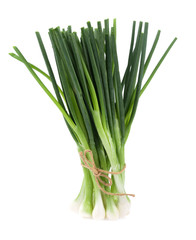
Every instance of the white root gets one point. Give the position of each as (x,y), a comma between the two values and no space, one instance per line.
(99,210)
(124,206)
(76,205)
(112,212)
(85,210)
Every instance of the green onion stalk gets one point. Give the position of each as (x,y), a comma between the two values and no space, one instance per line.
(98,106)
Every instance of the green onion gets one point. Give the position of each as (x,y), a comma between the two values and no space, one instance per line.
(97,105)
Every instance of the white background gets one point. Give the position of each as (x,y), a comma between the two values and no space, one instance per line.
(40,172)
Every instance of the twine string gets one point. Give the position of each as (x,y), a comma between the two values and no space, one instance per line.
(98,173)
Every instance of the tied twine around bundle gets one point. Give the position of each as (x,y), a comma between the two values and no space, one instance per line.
(98,173)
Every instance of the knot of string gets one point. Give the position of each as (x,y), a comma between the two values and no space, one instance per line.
(98,173)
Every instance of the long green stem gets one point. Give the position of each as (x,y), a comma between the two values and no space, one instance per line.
(67,117)
(38,70)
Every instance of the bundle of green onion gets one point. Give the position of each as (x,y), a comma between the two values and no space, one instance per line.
(97,105)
